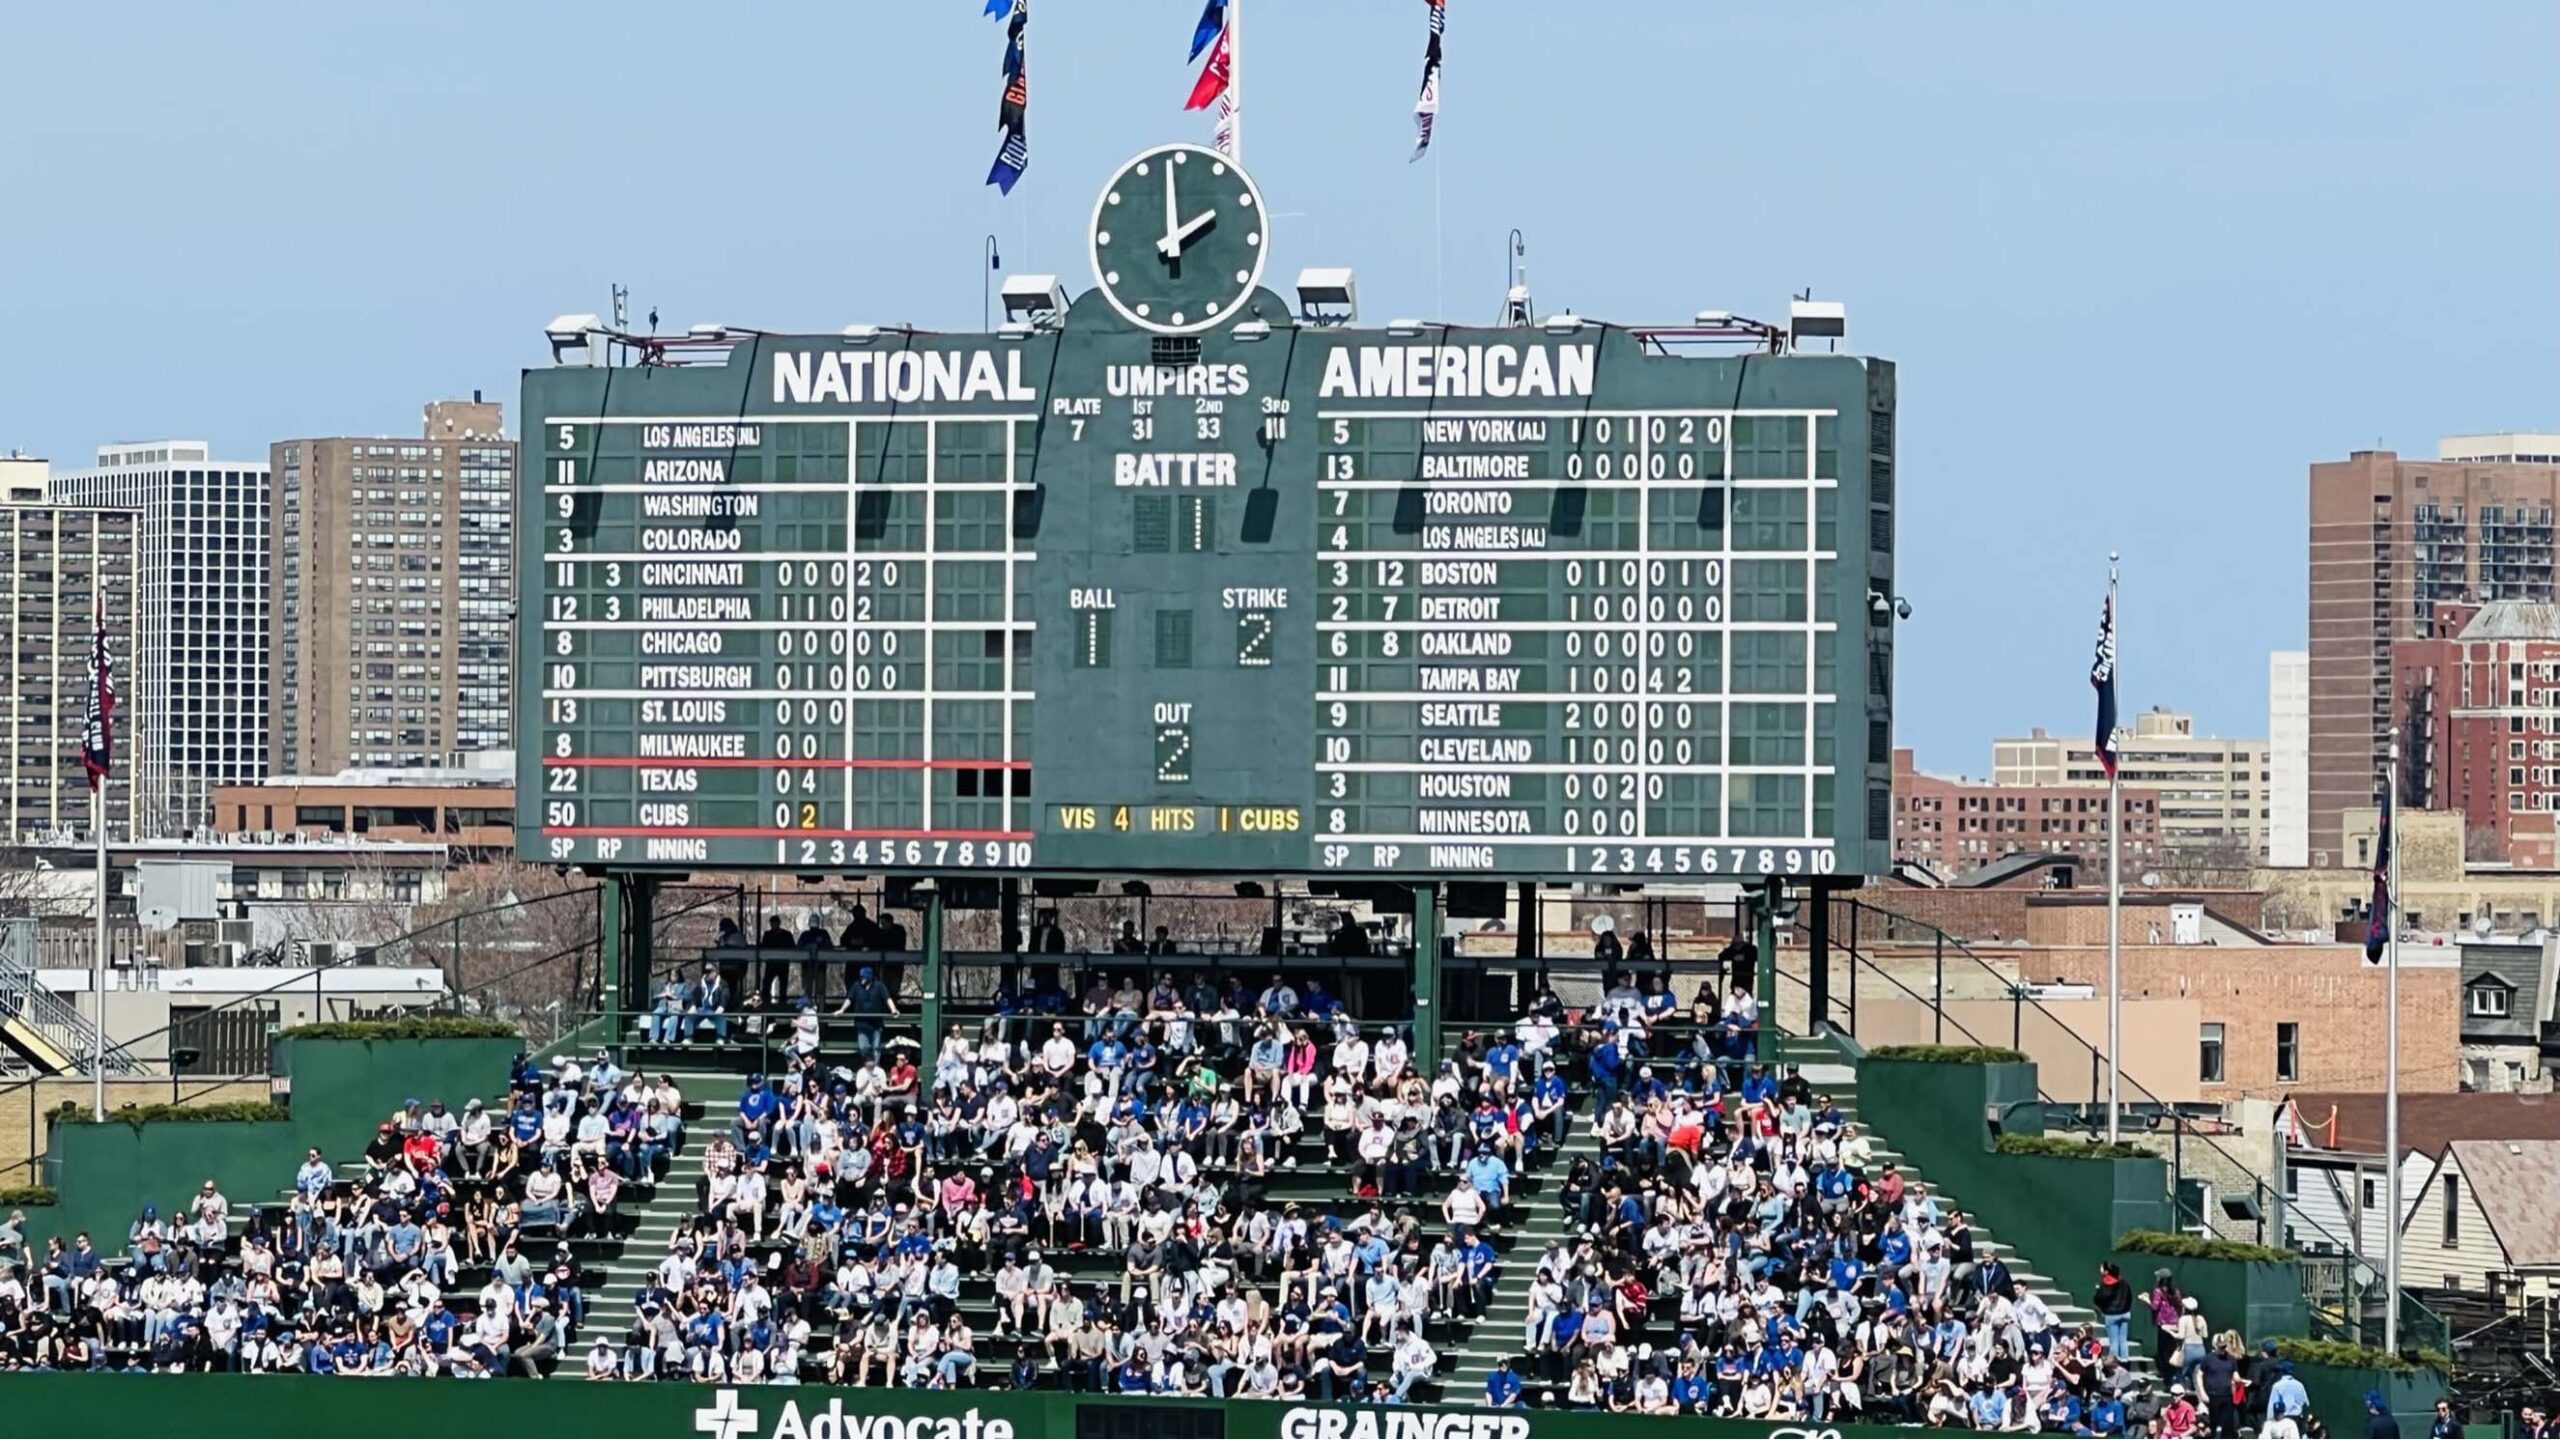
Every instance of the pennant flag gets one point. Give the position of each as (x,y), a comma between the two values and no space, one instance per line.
(997,9)
(1213,23)
(97,738)
(1426,108)
(1213,77)
(2377,932)
(1013,153)
(2102,678)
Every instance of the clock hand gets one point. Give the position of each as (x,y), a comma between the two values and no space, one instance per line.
(1172,213)
(1178,240)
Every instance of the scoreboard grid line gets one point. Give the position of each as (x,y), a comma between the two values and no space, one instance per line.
(1634,413)
(740,418)
(1632,482)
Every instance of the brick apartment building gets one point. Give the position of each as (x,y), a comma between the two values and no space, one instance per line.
(2481,735)
(2389,540)
(1952,825)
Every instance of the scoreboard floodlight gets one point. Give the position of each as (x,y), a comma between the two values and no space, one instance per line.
(1134,589)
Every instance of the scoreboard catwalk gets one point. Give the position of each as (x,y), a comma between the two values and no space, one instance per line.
(1536,602)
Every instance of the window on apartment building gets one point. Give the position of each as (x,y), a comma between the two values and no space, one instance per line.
(2492,1001)
(2209,1053)
(2288,1050)
(2372,1192)
(2452,1211)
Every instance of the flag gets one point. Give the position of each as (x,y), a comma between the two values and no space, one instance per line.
(1213,23)
(2102,678)
(2378,927)
(98,737)
(1013,152)
(1426,107)
(1213,77)
(998,8)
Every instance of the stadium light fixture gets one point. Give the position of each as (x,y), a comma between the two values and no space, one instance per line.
(1816,320)
(1328,295)
(571,332)
(1032,299)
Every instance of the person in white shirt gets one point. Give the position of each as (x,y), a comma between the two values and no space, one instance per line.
(1414,1360)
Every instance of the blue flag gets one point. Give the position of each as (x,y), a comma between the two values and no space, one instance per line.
(1011,161)
(2377,932)
(998,9)
(1212,21)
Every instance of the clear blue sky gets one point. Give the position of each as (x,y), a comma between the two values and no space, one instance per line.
(2139,264)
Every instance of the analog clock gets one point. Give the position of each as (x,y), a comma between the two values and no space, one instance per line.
(1179,239)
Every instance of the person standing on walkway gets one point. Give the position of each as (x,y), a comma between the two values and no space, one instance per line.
(2165,1303)
(2113,1300)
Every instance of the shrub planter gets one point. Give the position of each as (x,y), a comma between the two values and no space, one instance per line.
(2060,1211)
(2248,1287)
(104,1173)
(348,1082)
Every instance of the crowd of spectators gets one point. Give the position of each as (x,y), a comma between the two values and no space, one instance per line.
(1080,1195)
(419,1260)
(1736,1249)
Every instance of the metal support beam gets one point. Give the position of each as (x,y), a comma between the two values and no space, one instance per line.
(612,948)
(1764,933)
(1426,979)
(931,1021)
(1818,962)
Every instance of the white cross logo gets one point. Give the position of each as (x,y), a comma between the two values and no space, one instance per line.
(722,1419)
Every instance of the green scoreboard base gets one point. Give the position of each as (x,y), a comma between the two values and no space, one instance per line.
(256,1407)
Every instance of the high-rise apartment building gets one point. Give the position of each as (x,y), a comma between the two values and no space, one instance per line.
(52,561)
(2481,726)
(2213,792)
(394,570)
(2289,758)
(2390,538)
(199,675)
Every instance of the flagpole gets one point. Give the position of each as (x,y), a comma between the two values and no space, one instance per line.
(2115,895)
(1235,81)
(2391,1062)
(98,834)
(98,970)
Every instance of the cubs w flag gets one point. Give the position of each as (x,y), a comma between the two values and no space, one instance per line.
(2378,930)
(2102,678)
(98,737)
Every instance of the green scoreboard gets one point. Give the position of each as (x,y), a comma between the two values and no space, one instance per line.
(1169,581)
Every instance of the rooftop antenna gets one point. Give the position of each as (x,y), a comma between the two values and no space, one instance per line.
(621,313)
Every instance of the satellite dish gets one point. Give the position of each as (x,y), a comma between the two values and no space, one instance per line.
(1602,924)
(2151,879)
(2480,926)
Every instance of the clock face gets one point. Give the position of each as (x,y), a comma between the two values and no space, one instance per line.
(1178,239)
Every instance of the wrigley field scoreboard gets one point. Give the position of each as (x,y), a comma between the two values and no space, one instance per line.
(1169,582)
